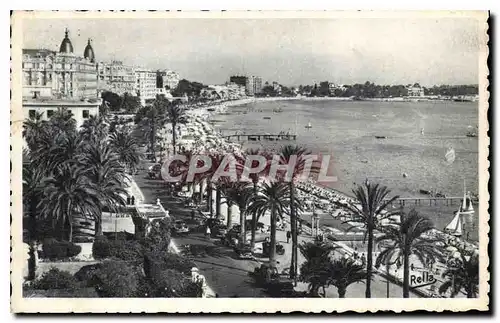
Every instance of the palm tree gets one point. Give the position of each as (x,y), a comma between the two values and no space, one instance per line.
(94,130)
(101,165)
(32,129)
(405,238)
(32,193)
(255,178)
(240,194)
(150,120)
(64,148)
(314,270)
(66,193)
(175,115)
(127,149)
(344,272)
(271,197)
(62,121)
(373,200)
(462,274)
(288,153)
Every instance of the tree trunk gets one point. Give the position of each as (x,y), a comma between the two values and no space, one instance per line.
(209,199)
(254,218)
(174,136)
(218,198)
(32,261)
(272,251)
(153,139)
(406,274)
(243,235)
(98,227)
(341,292)
(70,237)
(369,263)
(293,224)
(229,219)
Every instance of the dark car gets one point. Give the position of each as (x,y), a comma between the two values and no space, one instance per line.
(181,228)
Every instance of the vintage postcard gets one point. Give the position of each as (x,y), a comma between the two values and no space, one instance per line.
(249,161)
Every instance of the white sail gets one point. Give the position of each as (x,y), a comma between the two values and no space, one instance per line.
(455,226)
(450,155)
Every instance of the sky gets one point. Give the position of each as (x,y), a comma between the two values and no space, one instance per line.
(291,51)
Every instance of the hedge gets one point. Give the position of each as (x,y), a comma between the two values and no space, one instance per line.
(56,279)
(119,249)
(116,279)
(57,250)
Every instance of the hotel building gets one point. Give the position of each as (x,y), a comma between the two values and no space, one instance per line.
(63,79)
(116,77)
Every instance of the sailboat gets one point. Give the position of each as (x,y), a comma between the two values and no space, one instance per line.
(309,126)
(466,207)
(455,226)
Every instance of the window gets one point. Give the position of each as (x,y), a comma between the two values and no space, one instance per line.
(32,114)
(50,113)
(85,114)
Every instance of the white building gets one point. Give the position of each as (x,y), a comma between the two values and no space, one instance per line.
(116,77)
(145,85)
(80,110)
(415,90)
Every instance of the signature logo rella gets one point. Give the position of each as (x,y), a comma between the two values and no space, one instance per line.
(422,279)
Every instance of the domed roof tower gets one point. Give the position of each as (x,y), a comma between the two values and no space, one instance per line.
(66,46)
(88,53)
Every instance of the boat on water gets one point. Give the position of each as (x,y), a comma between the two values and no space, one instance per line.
(266,118)
(466,206)
(380,137)
(277,110)
(455,226)
(309,125)
(210,109)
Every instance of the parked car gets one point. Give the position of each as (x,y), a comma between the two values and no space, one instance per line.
(154,171)
(181,228)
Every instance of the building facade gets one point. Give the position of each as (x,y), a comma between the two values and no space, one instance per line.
(415,90)
(168,79)
(116,77)
(63,79)
(146,85)
(63,74)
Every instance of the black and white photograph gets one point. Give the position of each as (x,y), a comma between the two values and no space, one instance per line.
(283,161)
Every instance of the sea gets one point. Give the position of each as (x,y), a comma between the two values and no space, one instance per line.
(409,155)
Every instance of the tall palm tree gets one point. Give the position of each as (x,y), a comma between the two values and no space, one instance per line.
(32,194)
(101,165)
(62,121)
(462,274)
(405,238)
(66,193)
(344,272)
(271,197)
(374,202)
(127,149)
(300,154)
(240,194)
(255,178)
(150,120)
(175,115)
(315,269)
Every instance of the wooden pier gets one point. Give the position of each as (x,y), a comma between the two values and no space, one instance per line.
(245,137)
(431,200)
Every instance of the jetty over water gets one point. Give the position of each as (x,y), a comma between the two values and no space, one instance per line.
(430,199)
(260,137)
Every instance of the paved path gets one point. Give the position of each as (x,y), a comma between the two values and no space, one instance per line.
(225,274)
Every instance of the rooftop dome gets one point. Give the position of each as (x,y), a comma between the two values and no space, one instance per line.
(89,52)
(66,46)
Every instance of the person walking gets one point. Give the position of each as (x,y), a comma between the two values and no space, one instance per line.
(208,232)
(288,236)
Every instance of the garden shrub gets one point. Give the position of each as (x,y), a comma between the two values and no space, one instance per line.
(58,250)
(160,261)
(116,279)
(120,249)
(158,237)
(87,274)
(171,283)
(56,279)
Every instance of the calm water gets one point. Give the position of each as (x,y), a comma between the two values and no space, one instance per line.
(347,129)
